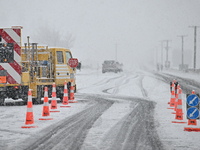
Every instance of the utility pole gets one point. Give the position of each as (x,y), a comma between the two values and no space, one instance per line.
(182,36)
(157,58)
(195,34)
(161,54)
(167,49)
(116,53)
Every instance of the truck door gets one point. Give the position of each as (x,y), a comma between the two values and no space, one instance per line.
(61,68)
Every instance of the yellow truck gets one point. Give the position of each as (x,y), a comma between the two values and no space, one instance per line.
(32,67)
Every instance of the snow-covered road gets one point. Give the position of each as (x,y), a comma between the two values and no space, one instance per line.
(114,111)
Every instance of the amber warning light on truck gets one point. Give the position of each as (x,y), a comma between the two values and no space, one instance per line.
(73,62)
(3,76)
(2,79)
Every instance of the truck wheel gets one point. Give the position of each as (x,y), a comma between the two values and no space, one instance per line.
(68,90)
(59,94)
(39,95)
(25,99)
(2,101)
(34,101)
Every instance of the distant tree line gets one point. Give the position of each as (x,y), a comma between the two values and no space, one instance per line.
(53,37)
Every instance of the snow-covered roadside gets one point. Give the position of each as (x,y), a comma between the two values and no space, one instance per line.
(172,135)
(189,75)
(13,117)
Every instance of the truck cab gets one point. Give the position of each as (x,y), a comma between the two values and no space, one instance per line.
(50,66)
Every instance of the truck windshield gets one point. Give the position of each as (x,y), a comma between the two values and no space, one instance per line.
(68,56)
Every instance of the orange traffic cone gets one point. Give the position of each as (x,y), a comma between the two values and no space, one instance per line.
(172,85)
(177,97)
(173,89)
(71,96)
(192,129)
(65,96)
(192,122)
(176,100)
(45,112)
(29,114)
(172,101)
(53,100)
(193,91)
(179,111)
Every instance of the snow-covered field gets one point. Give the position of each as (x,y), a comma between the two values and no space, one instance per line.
(172,135)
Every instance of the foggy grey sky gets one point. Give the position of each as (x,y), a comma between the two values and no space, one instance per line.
(136,26)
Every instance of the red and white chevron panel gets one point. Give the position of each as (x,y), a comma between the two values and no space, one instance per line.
(12,35)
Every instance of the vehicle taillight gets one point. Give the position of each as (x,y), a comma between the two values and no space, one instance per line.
(16,87)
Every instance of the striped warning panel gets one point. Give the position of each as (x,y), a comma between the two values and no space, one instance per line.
(13,68)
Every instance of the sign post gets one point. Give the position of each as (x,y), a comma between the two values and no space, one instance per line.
(73,62)
(192,111)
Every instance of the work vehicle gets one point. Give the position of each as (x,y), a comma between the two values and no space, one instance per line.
(31,67)
(111,66)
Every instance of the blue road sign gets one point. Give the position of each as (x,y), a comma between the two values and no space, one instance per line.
(193,113)
(193,100)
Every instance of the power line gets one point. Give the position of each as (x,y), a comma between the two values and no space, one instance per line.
(195,34)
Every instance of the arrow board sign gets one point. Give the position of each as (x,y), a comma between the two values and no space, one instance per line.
(193,100)
(193,113)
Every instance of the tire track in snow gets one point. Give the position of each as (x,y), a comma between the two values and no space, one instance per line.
(101,82)
(144,92)
(135,131)
(69,133)
(119,84)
